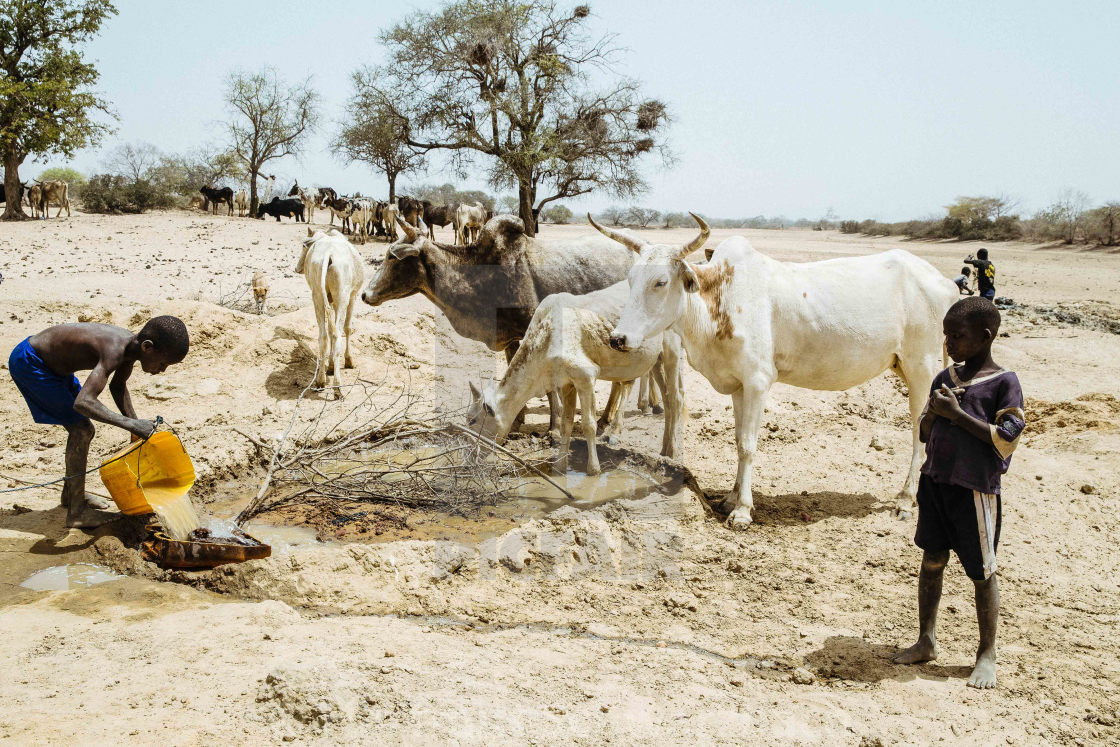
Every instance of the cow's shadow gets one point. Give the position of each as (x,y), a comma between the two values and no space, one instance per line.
(286,383)
(857,660)
(792,509)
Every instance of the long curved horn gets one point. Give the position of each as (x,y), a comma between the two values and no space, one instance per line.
(409,231)
(698,242)
(627,241)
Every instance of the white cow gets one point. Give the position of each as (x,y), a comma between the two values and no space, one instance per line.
(389,213)
(748,321)
(309,196)
(241,202)
(333,269)
(469,220)
(566,348)
(361,217)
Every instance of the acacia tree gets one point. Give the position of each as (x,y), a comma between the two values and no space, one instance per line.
(134,160)
(46,105)
(510,80)
(270,120)
(376,136)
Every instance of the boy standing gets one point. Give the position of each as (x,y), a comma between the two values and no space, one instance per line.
(985,273)
(971,426)
(43,367)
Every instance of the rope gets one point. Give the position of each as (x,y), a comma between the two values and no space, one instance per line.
(30,486)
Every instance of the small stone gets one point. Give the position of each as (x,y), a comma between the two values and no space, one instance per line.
(389,654)
(736,683)
(876,444)
(605,709)
(802,676)
(1088,489)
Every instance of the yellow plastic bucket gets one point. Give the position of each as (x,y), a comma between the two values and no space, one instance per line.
(159,464)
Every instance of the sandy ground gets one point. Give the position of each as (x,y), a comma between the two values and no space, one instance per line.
(641,620)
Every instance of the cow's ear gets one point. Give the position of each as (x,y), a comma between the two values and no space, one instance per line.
(688,278)
(402,251)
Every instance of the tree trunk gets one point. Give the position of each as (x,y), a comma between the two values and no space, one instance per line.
(525,208)
(253,193)
(13,209)
(392,187)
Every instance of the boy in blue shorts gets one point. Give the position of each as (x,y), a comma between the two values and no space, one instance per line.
(43,367)
(971,426)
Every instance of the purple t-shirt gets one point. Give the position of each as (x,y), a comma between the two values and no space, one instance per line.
(955,456)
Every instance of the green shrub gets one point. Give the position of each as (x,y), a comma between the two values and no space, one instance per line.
(849,226)
(106,193)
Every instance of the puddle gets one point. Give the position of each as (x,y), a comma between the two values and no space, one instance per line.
(280,538)
(71,576)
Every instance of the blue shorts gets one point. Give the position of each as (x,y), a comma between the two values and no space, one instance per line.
(989,294)
(50,397)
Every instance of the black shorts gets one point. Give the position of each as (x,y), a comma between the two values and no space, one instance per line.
(962,520)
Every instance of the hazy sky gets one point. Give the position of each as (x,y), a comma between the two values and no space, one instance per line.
(882,110)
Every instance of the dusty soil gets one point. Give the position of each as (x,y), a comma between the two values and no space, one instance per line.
(639,619)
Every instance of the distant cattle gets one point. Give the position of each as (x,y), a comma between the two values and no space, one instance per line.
(216,196)
(438,215)
(325,194)
(35,200)
(289,207)
(18,199)
(241,199)
(55,192)
(410,209)
(469,220)
(339,206)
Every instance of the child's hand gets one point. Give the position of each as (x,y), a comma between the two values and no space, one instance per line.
(944,403)
(142,429)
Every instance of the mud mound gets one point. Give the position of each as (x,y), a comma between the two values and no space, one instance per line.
(1097,315)
(623,539)
(1095,411)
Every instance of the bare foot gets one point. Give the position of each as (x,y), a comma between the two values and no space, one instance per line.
(984,674)
(923,650)
(88,518)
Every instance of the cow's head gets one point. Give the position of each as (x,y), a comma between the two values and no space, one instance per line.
(659,280)
(483,416)
(403,272)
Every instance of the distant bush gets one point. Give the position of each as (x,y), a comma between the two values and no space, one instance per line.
(558,214)
(108,193)
(74,180)
(849,226)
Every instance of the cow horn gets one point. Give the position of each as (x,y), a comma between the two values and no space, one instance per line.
(698,242)
(627,241)
(309,232)
(409,231)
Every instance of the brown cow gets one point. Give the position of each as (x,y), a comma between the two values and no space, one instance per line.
(57,192)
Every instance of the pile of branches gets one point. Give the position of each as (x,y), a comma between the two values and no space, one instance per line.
(378,451)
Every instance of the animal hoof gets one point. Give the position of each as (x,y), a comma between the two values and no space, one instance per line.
(658,409)
(592,469)
(740,518)
(902,514)
(348,364)
(612,440)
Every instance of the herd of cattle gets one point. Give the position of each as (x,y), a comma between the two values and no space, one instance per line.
(360,216)
(615,307)
(41,195)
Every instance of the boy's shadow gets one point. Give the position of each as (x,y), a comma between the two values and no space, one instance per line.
(856,660)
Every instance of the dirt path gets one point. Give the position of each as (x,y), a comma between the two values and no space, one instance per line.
(661,624)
